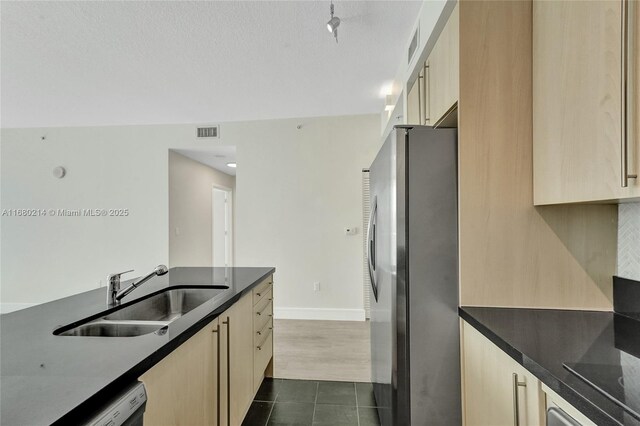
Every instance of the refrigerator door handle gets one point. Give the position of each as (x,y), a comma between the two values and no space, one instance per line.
(371,247)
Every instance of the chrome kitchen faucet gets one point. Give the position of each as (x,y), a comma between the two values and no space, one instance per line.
(115,295)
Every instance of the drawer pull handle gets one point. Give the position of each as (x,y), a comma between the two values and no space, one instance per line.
(259,294)
(516,404)
(259,333)
(627,29)
(259,347)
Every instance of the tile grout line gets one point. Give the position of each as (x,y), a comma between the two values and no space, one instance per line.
(272,407)
(355,388)
(313,417)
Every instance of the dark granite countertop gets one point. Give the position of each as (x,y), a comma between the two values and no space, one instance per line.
(542,340)
(49,379)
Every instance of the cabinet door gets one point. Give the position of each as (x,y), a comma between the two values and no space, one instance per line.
(413,103)
(181,389)
(444,73)
(577,95)
(237,357)
(495,387)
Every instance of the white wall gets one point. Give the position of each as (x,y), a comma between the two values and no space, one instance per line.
(190,210)
(295,191)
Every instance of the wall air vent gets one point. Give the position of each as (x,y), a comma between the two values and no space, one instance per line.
(208,132)
(413,46)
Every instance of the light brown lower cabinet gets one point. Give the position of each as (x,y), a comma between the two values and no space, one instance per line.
(262,332)
(212,378)
(182,388)
(497,391)
(239,329)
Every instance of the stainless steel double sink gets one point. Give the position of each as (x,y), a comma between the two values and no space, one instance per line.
(148,315)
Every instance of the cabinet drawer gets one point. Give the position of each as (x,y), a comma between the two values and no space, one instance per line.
(261,333)
(262,353)
(260,291)
(262,314)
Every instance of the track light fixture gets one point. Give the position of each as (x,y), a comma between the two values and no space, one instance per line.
(333,23)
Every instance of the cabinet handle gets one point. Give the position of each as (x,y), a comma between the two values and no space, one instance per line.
(516,404)
(420,87)
(624,78)
(259,313)
(259,332)
(217,375)
(228,324)
(259,347)
(427,103)
(259,294)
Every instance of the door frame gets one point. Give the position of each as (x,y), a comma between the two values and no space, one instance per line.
(229,221)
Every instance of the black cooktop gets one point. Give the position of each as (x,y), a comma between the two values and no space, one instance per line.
(616,372)
(610,380)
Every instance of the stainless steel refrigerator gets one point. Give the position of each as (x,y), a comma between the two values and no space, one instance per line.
(412,252)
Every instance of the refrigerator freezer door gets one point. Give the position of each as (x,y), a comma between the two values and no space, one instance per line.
(382,181)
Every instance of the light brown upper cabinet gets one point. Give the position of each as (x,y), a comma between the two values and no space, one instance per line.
(418,100)
(413,103)
(444,74)
(586,114)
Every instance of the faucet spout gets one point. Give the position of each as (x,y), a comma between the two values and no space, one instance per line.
(160,270)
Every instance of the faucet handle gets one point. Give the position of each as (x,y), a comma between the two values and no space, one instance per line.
(113,286)
(116,277)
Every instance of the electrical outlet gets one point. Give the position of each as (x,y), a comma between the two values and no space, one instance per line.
(316,286)
(177,231)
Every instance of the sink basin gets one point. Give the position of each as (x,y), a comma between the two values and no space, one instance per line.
(145,316)
(166,306)
(101,328)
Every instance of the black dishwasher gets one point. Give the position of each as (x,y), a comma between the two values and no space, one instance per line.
(125,409)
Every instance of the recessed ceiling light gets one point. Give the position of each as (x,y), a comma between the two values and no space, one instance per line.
(232,165)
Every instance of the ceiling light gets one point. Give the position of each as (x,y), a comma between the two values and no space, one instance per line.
(232,165)
(333,23)
(386,89)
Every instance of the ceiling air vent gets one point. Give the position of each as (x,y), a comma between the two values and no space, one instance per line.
(413,45)
(208,132)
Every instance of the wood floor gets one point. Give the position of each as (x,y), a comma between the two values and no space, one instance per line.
(322,350)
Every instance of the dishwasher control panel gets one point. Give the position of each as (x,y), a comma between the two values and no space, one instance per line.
(125,409)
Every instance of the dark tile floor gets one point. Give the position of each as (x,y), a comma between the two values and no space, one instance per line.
(312,403)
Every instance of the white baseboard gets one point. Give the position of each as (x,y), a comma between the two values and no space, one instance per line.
(5,308)
(319,314)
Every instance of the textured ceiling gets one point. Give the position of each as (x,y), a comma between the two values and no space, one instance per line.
(146,62)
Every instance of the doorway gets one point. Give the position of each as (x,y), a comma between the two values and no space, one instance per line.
(222,226)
